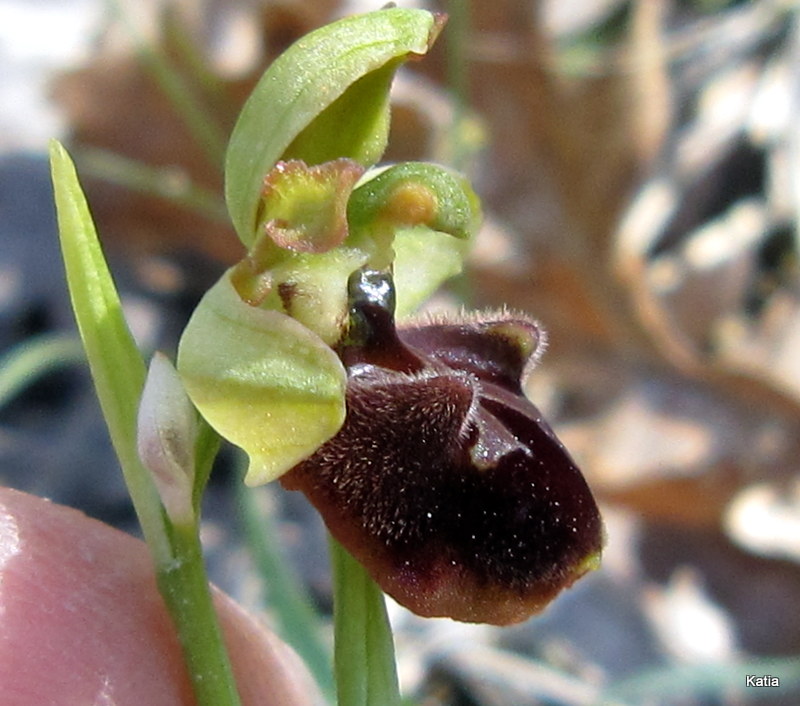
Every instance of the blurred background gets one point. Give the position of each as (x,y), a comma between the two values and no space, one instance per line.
(639,165)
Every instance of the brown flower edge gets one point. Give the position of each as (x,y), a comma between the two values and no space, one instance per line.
(445,481)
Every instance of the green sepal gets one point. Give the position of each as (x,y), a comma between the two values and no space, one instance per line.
(424,259)
(262,380)
(356,124)
(329,68)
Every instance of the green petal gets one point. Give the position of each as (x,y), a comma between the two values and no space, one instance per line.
(424,259)
(330,69)
(412,194)
(261,380)
(303,208)
(422,201)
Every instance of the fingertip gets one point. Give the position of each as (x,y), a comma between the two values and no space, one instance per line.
(82,620)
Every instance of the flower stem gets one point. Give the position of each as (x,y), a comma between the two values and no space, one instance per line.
(184,586)
(364,660)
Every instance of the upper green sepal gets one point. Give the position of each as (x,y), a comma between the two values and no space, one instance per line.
(324,98)
(262,380)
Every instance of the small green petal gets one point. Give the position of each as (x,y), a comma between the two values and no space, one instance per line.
(414,214)
(304,208)
(412,194)
(261,380)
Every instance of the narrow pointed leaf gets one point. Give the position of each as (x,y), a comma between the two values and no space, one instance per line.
(117,367)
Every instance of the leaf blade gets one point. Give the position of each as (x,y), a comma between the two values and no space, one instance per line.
(117,367)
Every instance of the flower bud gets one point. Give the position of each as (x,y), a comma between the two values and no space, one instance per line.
(445,481)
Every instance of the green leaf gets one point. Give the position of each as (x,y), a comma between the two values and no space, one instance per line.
(364,661)
(24,363)
(262,380)
(117,367)
(329,68)
(118,372)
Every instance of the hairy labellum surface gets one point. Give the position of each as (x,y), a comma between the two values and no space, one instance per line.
(445,481)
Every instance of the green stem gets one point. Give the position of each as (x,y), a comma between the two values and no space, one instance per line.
(364,660)
(184,586)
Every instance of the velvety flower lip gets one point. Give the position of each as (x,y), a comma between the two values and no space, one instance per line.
(445,481)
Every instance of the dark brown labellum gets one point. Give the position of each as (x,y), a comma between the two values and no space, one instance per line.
(445,481)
